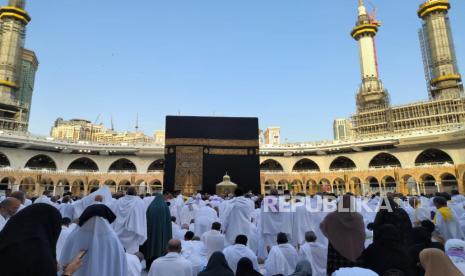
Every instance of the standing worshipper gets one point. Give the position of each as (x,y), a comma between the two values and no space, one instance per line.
(237,217)
(204,218)
(282,258)
(388,242)
(301,223)
(8,208)
(446,221)
(245,268)
(131,221)
(159,230)
(315,253)
(188,212)
(217,266)
(104,251)
(173,263)
(435,262)
(391,213)
(28,243)
(345,231)
(65,231)
(455,250)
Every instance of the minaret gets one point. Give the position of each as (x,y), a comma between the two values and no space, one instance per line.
(441,69)
(372,94)
(13,19)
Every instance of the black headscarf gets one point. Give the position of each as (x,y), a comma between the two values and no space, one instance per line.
(217,265)
(387,252)
(245,268)
(97,210)
(28,242)
(422,240)
(397,217)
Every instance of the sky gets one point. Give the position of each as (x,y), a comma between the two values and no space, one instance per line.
(291,63)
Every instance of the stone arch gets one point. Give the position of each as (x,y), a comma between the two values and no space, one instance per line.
(157,165)
(83,164)
(342,163)
(123,185)
(8,180)
(122,165)
(297,186)
(271,165)
(62,186)
(41,162)
(46,184)
(94,183)
(373,184)
(428,184)
(306,165)
(312,186)
(4,161)
(269,184)
(111,185)
(27,185)
(339,186)
(78,187)
(154,186)
(383,160)
(448,182)
(283,184)
(389,183)
(356,185)
(433,156)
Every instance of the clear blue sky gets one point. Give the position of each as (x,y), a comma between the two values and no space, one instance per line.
(292,63)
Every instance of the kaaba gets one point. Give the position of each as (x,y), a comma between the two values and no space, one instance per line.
(199,151)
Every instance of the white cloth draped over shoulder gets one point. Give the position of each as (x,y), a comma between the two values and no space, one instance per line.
(81,205)
(301,223)
(449,229)
(214,241)
(66,210)
(134,265)
(45,199)
(282,259)
(234,253)
(105,255)
(317,255)
(131,222)
(237,219)
(204,218)
(172,264)
(65,231)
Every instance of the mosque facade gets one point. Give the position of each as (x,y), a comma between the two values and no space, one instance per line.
(413,148)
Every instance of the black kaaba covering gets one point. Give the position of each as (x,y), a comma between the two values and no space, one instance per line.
(206,148)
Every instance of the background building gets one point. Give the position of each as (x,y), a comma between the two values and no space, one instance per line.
(272,136)
(342,129)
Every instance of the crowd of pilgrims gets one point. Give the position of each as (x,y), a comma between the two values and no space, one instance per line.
(174,235)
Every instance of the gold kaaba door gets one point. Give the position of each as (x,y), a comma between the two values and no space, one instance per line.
(189,169)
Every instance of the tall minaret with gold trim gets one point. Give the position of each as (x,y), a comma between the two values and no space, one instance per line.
(371,94)
(13,20)
(444,79)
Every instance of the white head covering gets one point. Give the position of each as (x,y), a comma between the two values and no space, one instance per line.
(455,249)
(81,205)
(105,254)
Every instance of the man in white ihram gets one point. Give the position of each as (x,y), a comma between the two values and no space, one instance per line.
(237,217)
(172,263)
(131,221)
(234,253)
(282,258)
(315,253)
(213,239)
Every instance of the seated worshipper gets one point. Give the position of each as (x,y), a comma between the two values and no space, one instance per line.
(303,268)
(194,251)
(446,221)
(176,229)
(204,218)
(94,234)
(159,230)
(66,208)
(213,239)
(387,252)
(345,231)
(8,208)
(391,213)
(65,231)
(134,264)
(245,268)
(421,240)
(131,221)
(455,250)
(420,213)
(282,258)
(28,243)
(237,217)
(436,263)
(315,253)
(173,263)
(217,266)
(234,253)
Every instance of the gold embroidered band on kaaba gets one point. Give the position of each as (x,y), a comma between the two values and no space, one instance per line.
(211,142)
